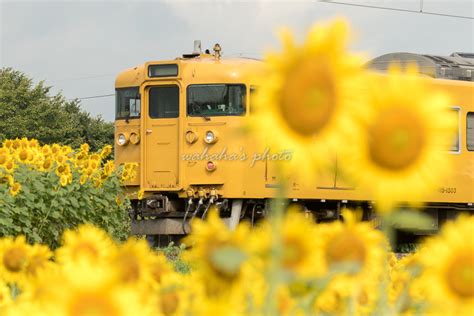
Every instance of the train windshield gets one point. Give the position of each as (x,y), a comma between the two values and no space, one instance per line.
(127,103)
(216,99)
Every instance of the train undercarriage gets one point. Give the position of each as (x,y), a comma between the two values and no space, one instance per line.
(166,218)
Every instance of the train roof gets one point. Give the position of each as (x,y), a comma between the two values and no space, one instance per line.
(196,67)
(457,66)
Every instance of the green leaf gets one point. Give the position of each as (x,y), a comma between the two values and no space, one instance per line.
(411,220)
(228,259)
(6,221)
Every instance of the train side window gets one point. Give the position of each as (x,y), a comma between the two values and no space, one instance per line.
(455,147)
(164,102)
(470,131)
(216,99)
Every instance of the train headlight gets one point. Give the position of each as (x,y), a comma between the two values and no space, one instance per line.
(210,137)
(191,137)
(122,139)
(134,138)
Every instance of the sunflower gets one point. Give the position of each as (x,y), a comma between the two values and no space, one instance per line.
(218,253)
(16,144)
(159,268)
(109,168)
(8,143)
(15,188)
(39,260)
(106,151)
(129,171)
(356,248)
(352,242)
(62,169)
(448,262)
(303,100)
(140,194)
(14,254)
(93,290)
(133,261)
(298,248)
(23,155)
(46,164)
(8,178)
(172,294)
(85,148)
(83,179)
(94,164)
(55,149)
(10,166)
(86,243)
(24,142)
(46,150)
(4,156)
(406,128)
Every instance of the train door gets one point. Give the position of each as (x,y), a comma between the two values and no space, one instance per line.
(162,136)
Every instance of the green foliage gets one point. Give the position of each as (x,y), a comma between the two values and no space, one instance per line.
(28,110)
(43,209)
(407,248)
(174,255)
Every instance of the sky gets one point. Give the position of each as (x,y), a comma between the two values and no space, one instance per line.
(78,47)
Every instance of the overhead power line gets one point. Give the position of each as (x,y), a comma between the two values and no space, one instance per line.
(95,96)
(399,10)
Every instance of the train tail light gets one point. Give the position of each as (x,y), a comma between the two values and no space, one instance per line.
(210,166)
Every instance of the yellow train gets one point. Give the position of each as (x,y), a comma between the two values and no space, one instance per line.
(180,120)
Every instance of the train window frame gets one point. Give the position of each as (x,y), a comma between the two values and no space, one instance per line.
(469,127)
(137,97)
(149,101)
(244,99)
(252,92)
(458,148)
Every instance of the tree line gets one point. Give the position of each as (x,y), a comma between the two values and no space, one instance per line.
(30,110)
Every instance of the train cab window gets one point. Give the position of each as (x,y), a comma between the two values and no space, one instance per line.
(164,102)
(470,131)
(127,103)
(216,99)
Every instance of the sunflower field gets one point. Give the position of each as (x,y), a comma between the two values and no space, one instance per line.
(391,133)
(274,269)
(47,189)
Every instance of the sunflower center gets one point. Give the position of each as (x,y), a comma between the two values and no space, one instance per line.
(14,259)
(93,304)
(130,269)
(346,248)
(3,159)
(396,139)
(158,271)
(9,165)
(308,97)
(293,253)
(86,249)
(460,275)
(23,155)
(169,303)
(47,164)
